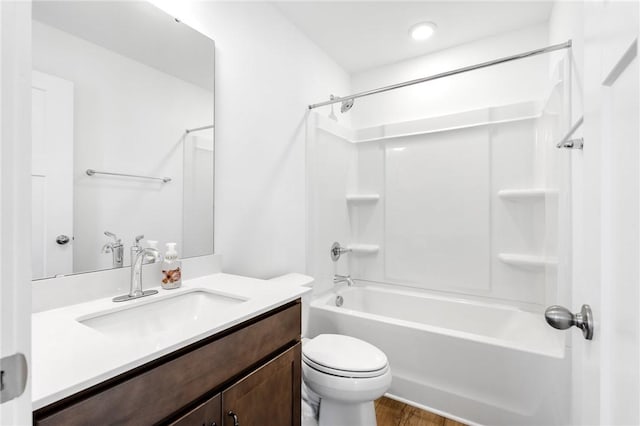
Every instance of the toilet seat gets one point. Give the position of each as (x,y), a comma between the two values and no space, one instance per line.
(344,356)
(344,373)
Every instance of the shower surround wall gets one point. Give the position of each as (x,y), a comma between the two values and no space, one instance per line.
(442,224)
(461,206)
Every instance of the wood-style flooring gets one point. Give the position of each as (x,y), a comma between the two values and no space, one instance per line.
(390,412)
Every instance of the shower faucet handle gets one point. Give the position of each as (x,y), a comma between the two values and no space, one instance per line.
(337,250)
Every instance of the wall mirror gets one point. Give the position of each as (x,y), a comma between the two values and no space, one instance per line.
(123,140)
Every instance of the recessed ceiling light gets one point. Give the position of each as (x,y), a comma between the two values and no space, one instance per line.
(422,31)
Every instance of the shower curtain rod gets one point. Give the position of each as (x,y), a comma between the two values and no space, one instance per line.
(336,99)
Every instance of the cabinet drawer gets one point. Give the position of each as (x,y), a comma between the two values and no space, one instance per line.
(152,395)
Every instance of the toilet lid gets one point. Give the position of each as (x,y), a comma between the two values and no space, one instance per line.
(338,353)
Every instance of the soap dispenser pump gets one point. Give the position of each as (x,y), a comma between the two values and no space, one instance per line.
(171,268)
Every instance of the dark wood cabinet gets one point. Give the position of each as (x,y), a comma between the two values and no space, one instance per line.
(269,396)
(255,364)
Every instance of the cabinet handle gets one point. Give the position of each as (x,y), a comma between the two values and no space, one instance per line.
(235,418)
(214,424)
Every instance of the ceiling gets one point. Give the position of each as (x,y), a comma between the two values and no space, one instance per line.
(137,30)
(360,35)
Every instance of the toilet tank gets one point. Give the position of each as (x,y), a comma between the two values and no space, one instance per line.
(298,280)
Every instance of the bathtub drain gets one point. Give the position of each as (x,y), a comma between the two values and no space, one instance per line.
(339,300)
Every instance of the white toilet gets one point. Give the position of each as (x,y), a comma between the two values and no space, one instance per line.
(347,374)
(344,373)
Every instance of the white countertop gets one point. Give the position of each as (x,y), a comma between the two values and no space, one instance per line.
(68,356)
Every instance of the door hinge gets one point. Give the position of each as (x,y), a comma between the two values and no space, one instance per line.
(13,376)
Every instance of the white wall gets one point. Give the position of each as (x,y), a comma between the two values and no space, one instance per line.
(502,84)
(267,72)
(128,118)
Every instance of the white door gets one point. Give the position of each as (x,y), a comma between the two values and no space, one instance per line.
(51,175)
(620,378)
(15,208)
(606,380)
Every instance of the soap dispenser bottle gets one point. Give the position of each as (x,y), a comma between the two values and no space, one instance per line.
(171,268)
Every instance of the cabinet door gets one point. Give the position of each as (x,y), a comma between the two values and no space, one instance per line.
(205,414)
(270,396)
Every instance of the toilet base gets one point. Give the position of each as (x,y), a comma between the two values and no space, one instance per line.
(336,413)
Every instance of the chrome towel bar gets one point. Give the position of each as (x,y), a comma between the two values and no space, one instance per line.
(195,129)
(92,172)
(577,143)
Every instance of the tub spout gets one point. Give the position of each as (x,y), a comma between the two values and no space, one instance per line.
(337,279)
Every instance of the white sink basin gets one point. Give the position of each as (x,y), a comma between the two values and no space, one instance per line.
(142,319)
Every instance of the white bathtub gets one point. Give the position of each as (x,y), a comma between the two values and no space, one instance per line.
(476,362)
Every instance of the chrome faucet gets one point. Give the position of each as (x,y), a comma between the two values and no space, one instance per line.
(116,249)
(138,256)
(337,279)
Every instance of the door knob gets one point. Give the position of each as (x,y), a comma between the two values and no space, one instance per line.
(561,318)
(62,239)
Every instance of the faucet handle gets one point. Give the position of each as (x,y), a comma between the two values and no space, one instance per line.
(337,250)
(112,235)
(138,238)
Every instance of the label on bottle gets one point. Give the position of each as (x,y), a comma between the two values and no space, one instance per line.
(171,276)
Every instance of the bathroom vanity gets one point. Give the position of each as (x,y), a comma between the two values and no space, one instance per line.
(239,365)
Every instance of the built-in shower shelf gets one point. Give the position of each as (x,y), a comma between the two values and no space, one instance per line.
(526,260)
(526,194)
(363,248)
(362,198)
